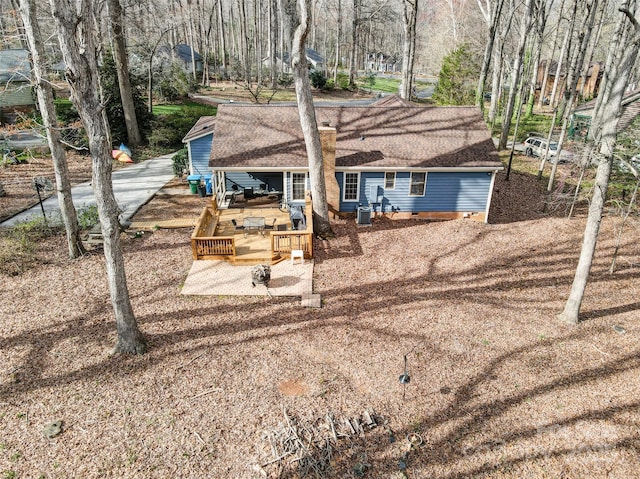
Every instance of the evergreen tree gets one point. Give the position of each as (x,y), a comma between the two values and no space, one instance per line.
(456,82)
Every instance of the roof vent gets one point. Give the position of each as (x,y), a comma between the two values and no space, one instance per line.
(326,123)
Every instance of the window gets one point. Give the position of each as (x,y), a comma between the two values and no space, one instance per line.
(418,182)
(351,186)
(298,185)
(390,180)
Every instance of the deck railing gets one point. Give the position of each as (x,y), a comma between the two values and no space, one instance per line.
(204,245)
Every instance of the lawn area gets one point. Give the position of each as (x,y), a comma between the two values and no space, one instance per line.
(186,106)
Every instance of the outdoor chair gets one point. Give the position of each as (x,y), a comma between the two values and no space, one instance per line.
(248,193)
(236,226)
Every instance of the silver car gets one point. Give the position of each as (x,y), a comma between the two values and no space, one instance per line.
(536,146)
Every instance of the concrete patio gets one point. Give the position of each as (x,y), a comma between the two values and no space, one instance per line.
(219,278)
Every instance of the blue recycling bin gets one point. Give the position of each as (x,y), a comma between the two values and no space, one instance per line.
(208,184)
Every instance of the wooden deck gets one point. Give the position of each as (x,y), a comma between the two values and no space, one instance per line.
(216,237)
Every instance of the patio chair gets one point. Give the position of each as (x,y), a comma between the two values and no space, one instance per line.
(236,226)
(272,226)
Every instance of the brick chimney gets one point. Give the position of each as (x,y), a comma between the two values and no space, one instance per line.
(328,141)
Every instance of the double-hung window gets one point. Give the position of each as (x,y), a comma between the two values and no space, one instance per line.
(418,183)
(298,185)
(390,180)
(350,189)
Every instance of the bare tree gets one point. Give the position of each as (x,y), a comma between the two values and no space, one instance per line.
(605,140)
(299,19)
(571,87)
(516,73)
(122,67)
(47,110)
(491,13)
(73,21)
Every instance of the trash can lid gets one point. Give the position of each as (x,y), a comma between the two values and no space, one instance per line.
(194,177)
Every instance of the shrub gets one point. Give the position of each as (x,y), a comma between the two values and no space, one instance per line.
(318,80)
(175,83)
(19,245)
(181,163)
(343,81)
(285,81)
(88,216)
(170,129)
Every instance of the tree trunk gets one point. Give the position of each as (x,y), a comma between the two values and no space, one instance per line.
(612,58)
(338,40)
(515,76)
(572,85)
(606,139)
(122,67)
(354,45)
(223,45)
(48,112)
(273,42)
(321,224)
(410,15)
(492,17)
(547,67)
(76,43)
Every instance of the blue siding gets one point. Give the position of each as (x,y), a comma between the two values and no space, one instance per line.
(200,149)
(457,191)
(465,191)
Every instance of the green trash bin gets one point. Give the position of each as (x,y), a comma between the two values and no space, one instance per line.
(194,181)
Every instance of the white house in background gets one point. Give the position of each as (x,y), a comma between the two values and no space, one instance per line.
(16,93)
(315,60)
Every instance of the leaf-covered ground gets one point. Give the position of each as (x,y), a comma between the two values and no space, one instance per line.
(499,388)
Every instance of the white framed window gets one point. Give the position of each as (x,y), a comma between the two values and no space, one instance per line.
(350,190)
(418,183)
(298,185)
(390,180)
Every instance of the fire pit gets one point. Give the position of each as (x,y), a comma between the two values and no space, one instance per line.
(260,274)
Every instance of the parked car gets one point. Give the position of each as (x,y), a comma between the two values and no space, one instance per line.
(537,146)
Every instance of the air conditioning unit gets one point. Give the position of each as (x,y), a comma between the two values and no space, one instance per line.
(364,215)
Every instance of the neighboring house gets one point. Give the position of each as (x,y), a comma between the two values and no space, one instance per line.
(402,161)
(590,89)
(198,141)
(16,93)
(182,54)
(379,62)
(581,118)
(314,59)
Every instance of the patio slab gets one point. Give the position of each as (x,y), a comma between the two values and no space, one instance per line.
(219,278)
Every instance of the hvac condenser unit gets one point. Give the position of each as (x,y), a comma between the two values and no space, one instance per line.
(364,215)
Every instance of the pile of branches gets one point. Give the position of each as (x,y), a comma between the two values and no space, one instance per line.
(309,449)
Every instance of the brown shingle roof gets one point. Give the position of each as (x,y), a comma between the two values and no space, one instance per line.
(259,136)
(203,126)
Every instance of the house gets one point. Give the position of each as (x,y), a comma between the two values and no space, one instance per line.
(182,54)
(198,141)
(314,59)
(16,93)
(379,62)
(590,88)
(400,160)
(581,117)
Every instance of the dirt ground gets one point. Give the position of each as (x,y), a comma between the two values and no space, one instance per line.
(17,179)
(498,386)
